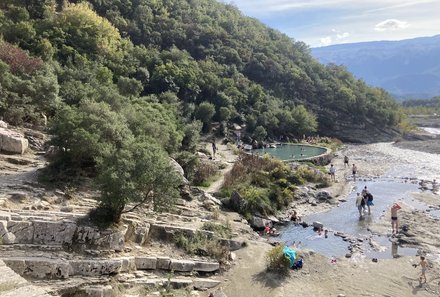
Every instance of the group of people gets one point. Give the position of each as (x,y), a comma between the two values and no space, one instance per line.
(270,230)
(364,201)
(332,170)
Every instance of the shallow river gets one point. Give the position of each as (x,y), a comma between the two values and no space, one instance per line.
(393,186)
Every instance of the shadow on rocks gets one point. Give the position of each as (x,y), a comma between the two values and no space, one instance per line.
(270,279)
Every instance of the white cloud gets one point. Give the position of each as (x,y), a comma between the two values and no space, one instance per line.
(313,21)
(342,35)
(391,24)
(265,6)
(326,41)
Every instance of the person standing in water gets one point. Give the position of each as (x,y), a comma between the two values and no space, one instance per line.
(354,171)
(394,220)
(359,206)
(368,198)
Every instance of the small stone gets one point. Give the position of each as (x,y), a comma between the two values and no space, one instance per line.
(19,197)
(66,209)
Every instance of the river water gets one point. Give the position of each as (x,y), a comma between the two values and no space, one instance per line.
(403,170)
(435,131)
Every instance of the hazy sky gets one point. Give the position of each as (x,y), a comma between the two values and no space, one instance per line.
(325,22)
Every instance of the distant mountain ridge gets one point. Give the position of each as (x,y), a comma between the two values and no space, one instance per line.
(407,68)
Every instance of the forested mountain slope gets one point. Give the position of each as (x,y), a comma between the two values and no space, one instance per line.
(202,57)
(406,68)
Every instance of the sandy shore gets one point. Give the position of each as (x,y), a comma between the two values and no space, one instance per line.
(358,275)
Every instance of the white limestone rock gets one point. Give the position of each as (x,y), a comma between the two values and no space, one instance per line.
(53,233)
(12,142)
(145,263)
(182,265)
(206,266)
(96,267)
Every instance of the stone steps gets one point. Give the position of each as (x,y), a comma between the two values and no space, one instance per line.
(174,282)
(55,268)
(13,285)
(96,287)
(32,247)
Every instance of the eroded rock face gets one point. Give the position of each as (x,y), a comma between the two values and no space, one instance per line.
(12,142)
(96,268)
(137,232)
(64,232)
(53,232)
(40,268)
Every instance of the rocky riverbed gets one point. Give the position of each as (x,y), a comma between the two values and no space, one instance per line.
(359,275)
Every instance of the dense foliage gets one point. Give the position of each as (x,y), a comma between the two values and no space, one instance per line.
(265,185)
(117,76)
(422,106)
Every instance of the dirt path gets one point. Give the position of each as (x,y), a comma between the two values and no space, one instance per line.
(225,155)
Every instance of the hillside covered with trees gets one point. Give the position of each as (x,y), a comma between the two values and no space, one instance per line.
(126,83)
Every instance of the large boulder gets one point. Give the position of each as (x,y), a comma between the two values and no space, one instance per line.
(323,196)
(236,202)
(12,142)
(179,170)
(259,223)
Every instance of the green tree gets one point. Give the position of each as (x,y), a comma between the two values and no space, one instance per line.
(205,111)
(141,173)
(259,133)
(87,134)
(87,32)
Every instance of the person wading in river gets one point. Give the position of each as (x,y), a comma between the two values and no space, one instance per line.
(359,200)
(394,221)
(354,171)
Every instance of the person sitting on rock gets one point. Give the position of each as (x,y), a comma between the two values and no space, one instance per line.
(267,229)
(295,218)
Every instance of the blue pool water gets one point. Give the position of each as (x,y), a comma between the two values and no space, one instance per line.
(287,152)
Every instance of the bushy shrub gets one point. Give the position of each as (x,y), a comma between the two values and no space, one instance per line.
(204,172)
(276,261)
(189,163)
(200,244)
(223,231)
(256,200)
(312,174)
(265,184)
